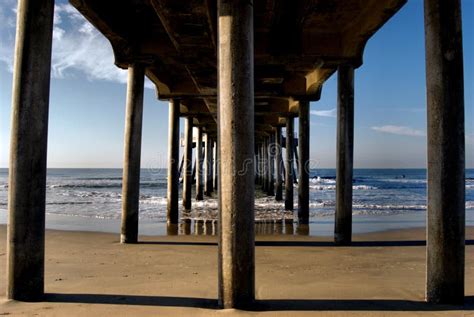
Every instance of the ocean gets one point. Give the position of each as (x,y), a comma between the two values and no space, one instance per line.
(90,200)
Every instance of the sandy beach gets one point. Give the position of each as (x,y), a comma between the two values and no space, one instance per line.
(91,274)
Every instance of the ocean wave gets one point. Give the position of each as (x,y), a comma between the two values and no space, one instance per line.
(153,200)
(207,203)
(105,215)
(99,178)
(103,185)
(404,180)
(388,207)
(83,194)
(323,180)
(112,196)
(70,203)
(321,203)
(333,187)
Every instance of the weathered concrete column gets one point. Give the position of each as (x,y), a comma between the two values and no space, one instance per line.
(132,154)
(344,155)
(208,166)
(199,161)
(188,162)
(289,163)
(303,148)
(278,166)
(446,157)
(173,161)
(236,140)
(271,166)
(28,151)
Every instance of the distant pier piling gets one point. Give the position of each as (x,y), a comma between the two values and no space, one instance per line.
(173,161)
(278,166)
(199,166)
(188,161)
(208,166)
(289,163)
(271,165)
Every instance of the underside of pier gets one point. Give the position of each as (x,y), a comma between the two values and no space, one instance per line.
(297,46)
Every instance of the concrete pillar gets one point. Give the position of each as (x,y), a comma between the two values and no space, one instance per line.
(199,161)
(303,148)
(257,162)
(28,149)
(260,164)
(173,161)
(216,165)
(296,173)
(256,166)
(446,156)
(236,137)
(289,163)
(271,166)
(172,229)
(278,166)
(344,155)
(132,153)
(265,164)
(208,166)
(193,175)
(188,162)
(295,162)
(211,165)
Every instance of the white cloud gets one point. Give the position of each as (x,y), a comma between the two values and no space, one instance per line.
(77,46)
(399,130)
(332,113)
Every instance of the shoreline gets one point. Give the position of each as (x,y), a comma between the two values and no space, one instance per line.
(319,226)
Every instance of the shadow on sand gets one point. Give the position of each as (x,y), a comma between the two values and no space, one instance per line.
(260,305)
(139,300)
(402,243)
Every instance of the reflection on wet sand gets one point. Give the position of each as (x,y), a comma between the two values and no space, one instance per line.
(203,220)
(189,226)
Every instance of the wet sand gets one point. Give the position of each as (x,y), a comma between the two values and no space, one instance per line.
(91,274)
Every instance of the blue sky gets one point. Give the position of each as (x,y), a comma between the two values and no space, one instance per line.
(88,97)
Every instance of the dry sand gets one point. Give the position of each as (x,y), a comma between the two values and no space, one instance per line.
(91,274)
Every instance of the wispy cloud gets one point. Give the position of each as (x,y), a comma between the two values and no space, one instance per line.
(325,113)
(399,130)
(77,46)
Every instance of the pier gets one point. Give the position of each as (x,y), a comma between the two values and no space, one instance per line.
(240,73)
